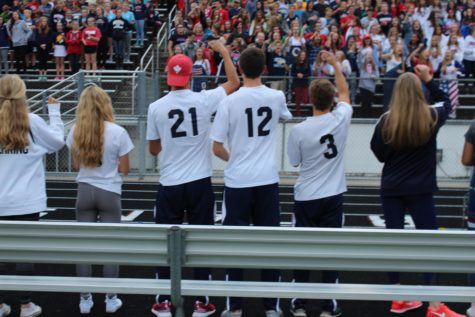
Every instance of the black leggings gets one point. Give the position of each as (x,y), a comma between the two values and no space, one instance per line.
(469,67)
(366,97)
(20,57)
(43,56)
(74,62)
(20,268)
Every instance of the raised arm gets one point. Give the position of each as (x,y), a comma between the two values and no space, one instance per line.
(233,80)
(340,81)
(50,136)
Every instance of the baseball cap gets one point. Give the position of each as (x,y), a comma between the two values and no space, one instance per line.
(179,70)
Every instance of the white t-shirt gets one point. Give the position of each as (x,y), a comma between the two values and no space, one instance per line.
(181,120)
(248,121)
(317,145)
(117,143)
(22,174)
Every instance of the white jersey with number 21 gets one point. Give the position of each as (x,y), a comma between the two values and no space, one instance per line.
(181,121)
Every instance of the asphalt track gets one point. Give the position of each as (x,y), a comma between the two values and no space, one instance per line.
(362,209)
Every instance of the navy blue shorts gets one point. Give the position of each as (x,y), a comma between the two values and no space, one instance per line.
(252,205)
(324,212)
(196,198)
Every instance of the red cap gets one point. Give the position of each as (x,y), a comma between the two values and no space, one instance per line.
(179,70)
(367,36)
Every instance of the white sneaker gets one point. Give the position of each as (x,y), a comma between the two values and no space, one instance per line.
(229,313)
(298,312)
(113,304)
(86,304)
(273,313)
(5,310)
(32,310)
(470,311)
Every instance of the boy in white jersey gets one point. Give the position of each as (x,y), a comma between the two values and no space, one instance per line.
(317,145)
(178,128)
(248,121)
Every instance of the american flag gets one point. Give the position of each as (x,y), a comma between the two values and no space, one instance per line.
(451,87)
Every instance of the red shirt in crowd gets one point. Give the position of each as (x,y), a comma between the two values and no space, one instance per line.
(94,32)
(73,40)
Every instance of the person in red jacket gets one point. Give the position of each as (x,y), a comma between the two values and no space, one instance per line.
(73,40)
(91,35)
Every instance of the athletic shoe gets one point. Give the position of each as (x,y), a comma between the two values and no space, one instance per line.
(471,311)
(203,310)
(401,306)
(86,304)
(163,309)
(327,313)
(113,304)
(5,310)
(32,310)
(273,313)
(442,311)
(228,313)
(298,312)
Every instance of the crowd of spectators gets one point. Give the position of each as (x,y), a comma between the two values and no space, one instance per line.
(88,33)
(372,39)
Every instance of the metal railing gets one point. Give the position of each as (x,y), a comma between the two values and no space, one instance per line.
(238,247)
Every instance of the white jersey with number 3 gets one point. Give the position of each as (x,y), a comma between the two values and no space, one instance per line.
(317,145)
(248,121)
(181,121)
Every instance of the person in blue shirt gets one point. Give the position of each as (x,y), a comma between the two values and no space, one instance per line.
(139,9)
(129,16)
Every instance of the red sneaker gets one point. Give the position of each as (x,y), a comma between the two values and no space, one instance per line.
(400,306)
(442,311)
(163,309)
(203,310)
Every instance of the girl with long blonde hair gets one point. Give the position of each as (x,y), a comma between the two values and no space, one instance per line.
(24,140)
(404,140)
(99,148)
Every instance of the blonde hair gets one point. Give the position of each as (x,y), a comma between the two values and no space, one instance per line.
(14,121)
(94,108)
(410,121)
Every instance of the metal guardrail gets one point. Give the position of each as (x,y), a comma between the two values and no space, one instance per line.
(243,247)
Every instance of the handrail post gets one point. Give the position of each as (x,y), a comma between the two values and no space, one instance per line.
(80,82)
(176,257)
(44,99)
(142,108)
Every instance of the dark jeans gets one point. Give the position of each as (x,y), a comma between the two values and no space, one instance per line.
(119,47)
(20,268)
(20,57)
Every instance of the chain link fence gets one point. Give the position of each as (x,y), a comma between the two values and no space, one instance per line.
(132,92)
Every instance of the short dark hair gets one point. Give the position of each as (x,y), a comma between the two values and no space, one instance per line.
(252,62)
(322,94)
